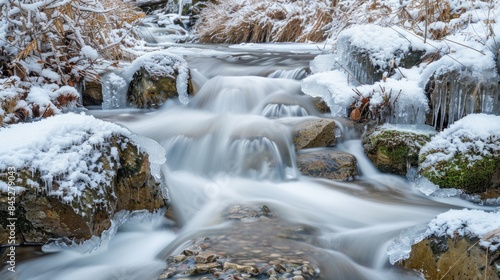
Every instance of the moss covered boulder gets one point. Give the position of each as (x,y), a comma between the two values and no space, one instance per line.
(158,76)
(395,148)
(465,156)
(66,176)
(327,163)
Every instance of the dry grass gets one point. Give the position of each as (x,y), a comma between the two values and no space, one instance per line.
(254,21)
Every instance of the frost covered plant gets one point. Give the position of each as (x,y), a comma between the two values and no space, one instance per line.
(466,155)
(230,21)
(60,41)
(51,44)
(21,101)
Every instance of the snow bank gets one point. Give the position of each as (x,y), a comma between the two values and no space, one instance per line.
(64,149)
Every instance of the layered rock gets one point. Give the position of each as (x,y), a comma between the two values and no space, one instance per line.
(361,53)
(92,93)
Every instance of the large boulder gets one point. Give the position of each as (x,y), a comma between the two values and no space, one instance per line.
(447,258)
(156,77)
(313,133)
(465,156)
(68,175)
(458,244)
(327,163)
(255,243)
(395,148)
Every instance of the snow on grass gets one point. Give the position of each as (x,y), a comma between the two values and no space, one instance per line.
(475,136)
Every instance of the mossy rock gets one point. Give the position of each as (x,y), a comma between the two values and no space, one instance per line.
(394,148)
(476,177)
(458,258)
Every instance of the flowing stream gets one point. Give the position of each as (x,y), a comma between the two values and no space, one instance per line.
(232,145)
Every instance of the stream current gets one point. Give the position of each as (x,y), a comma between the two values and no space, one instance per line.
(232,145)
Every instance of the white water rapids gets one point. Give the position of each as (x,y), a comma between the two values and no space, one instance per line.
(229,146)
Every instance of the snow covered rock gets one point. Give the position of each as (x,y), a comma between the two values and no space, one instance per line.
(326,163)
(395,148)
(370,50)
(69,174)
(466,155)
(450,237)
(156,77)
(314,133)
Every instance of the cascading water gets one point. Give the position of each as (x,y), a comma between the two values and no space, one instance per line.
(222,153)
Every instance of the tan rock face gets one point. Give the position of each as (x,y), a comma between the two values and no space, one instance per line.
(314,133)
(446,258)
(41,216)
(327,163)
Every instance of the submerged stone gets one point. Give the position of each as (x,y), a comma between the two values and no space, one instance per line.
(327,163)
(255,243)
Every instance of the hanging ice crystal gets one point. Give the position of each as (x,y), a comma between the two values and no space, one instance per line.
(456,94)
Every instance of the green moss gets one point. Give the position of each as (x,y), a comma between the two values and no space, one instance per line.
(392,150)
(460,173)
